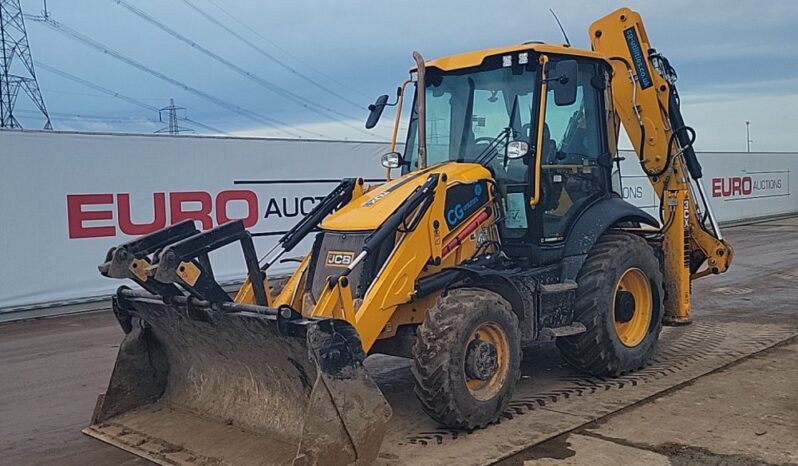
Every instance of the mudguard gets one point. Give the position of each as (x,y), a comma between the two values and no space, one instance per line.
(591,224)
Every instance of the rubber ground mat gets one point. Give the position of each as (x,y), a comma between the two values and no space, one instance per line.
(553,398)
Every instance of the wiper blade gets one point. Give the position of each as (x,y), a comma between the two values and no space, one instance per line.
(487,154)
(504,133)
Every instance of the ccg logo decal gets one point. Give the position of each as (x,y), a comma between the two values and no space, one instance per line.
(464,200)
(339,258)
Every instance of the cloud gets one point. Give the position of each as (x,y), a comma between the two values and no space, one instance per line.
(731,56)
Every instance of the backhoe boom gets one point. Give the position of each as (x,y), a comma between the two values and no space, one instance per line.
(647,103)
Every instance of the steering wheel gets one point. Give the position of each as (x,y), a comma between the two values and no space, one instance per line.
(483,139)
(496,160)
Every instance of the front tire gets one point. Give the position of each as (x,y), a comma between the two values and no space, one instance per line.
(620,301)
(467,358)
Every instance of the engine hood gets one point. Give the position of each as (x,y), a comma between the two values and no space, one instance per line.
(370,210)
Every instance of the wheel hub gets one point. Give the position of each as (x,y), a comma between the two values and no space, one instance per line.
(633,307)
(624,306)
(481,360)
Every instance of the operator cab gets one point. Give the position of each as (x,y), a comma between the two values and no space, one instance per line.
(474,112)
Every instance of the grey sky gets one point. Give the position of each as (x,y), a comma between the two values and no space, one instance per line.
(736,60)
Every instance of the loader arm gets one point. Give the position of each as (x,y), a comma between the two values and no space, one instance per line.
(415,239)
(647,104)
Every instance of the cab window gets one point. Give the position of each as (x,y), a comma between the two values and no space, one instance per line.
(471,112)
(572,143)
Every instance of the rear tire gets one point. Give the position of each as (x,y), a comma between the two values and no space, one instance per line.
(620,301)
(467,358)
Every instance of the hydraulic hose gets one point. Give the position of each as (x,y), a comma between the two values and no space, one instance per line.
(684,134)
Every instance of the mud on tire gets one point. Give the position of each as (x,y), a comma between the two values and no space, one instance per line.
(444,355)
(599,350)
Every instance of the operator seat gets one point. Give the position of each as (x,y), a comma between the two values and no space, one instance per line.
(549,190)
(549,152)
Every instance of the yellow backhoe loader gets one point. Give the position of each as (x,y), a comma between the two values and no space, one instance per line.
(503,227)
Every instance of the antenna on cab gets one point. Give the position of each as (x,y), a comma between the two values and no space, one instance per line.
(567,42)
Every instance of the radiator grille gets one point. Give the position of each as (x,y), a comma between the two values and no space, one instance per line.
(334,254)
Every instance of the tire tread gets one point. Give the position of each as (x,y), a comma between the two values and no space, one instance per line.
(432,360)
(594,351)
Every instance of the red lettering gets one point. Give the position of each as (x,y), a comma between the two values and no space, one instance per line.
(76,215)
(732,186)
(737,186)
(237,195)
(203,214)
(717,187)
(747,185)
(190,205)
(134,229)
(724,185)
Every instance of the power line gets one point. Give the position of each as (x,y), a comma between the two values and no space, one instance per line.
(306,103)
(96,87)
(115,94)
(297,99)
(271,57)
(81,116)
(278,47)
(49,90)
(271,122)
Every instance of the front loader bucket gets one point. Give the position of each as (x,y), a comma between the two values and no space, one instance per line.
(193,385)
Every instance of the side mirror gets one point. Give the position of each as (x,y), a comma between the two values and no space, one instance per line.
(516,149)
(564,79)
(375,110)
(392,160)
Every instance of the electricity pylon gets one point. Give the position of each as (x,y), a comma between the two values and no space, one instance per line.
(16,66)
(173,127)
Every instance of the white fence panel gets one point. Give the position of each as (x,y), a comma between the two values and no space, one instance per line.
(739,185)
(68,197)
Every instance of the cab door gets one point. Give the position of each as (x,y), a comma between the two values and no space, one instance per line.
(574,140)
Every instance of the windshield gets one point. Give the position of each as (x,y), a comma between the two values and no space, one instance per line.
(471,114)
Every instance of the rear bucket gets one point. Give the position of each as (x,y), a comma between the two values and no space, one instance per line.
(197,386)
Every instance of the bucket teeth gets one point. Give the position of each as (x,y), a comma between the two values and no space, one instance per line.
(233,388)
(200,379)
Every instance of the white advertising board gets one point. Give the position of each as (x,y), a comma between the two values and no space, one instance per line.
(738,185)
(68,197)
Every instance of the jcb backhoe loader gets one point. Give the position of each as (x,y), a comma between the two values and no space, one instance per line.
(505,227)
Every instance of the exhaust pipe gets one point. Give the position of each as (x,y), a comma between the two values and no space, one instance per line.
(422,110)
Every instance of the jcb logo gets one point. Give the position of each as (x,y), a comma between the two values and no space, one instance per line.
(339,259)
